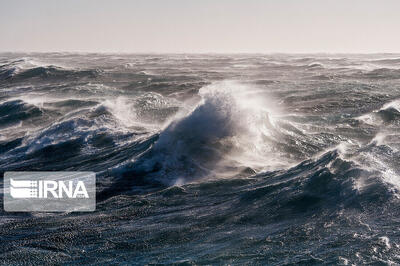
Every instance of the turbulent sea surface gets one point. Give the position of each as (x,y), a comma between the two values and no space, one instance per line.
(207,159)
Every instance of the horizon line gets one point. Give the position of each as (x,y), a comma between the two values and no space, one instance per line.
(197,52)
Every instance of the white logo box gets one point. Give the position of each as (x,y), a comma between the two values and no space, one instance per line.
(49,191)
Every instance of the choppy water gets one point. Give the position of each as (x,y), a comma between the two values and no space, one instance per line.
(207,159)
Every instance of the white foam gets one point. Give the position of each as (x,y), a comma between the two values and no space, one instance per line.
(123,109)
(372,163)
(370,119)
(385,241)
(393,104)
(378,139)
(250,117)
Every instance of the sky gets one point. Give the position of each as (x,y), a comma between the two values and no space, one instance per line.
(201,26)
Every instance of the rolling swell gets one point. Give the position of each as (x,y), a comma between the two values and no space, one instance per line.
(53,72)
(13,112)
(23,69)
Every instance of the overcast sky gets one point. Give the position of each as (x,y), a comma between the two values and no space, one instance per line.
(184,26)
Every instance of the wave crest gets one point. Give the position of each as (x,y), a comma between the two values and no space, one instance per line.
(233,127)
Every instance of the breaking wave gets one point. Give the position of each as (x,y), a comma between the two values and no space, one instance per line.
(229,130)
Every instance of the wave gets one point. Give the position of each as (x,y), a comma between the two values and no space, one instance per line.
(382,73)
(325,185)
(14,111)
(388,115)
(231,131)
(77,142)
(54,72)
(24,69)
(387,61)
(83,133)
(315,65)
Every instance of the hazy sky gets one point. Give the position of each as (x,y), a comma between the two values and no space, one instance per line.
(362,26)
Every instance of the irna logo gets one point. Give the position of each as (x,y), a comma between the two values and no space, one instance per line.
(47,189)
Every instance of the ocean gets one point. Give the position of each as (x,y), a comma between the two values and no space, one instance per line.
(210,159)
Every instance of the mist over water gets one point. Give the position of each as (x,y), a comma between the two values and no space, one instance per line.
(207,159)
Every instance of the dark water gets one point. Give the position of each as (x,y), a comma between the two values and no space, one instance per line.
(207,159)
